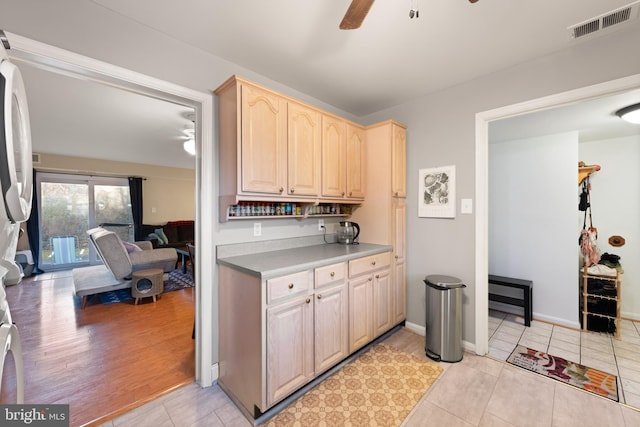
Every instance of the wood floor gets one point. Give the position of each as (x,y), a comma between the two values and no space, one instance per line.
(102,360)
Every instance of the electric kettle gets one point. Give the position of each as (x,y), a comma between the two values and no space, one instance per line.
(348,233)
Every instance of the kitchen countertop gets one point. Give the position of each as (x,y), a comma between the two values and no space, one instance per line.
(271,264)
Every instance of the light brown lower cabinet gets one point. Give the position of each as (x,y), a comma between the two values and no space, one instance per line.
(369,299)
(276,335)
(307,335)
(289,347)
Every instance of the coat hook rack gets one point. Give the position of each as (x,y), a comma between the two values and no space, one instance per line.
(585,171)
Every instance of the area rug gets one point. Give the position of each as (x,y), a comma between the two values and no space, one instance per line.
(379,388)
(176,280)
(581,376)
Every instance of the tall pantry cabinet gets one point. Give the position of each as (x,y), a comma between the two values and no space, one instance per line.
(383,216)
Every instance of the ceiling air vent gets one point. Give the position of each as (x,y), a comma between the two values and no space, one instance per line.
(35,158)
(604,21)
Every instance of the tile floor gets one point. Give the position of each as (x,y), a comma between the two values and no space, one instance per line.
(478,391)
(597,350)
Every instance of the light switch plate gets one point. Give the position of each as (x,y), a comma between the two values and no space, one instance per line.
(257,229)
(466,206)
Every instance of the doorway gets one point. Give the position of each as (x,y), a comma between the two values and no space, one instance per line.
(482,166)
(59,60)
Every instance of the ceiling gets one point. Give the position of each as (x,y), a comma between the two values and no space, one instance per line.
(594,120)
(82,118)
(390,60)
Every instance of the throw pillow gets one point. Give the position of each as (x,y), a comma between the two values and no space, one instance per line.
(163,237)
(131,247)
(152,236)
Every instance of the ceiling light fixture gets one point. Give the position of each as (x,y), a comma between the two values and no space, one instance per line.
(630,114)
(190,146)
(190,130)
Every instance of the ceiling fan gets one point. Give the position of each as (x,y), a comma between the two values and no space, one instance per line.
(356,13)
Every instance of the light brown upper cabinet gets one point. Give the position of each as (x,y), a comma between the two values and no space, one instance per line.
(263,141)
(343,145)
(275,148)
(304,150)
(334,142)
(253,139)
(398,160)
(355,162)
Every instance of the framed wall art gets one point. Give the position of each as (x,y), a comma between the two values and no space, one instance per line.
(437,192)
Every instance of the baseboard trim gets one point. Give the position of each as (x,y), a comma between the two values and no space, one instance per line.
(215,372)
(421,330)
(418,329)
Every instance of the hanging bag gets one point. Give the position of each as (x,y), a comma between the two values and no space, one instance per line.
(583,204)
(588,236)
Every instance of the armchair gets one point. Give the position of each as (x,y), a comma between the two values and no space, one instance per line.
(118,265)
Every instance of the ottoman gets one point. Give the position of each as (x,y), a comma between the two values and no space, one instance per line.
(147,283)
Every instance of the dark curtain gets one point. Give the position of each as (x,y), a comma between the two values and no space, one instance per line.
(135,190)
(33,229)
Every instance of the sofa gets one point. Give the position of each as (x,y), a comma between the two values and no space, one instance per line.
(120,261)
(177,233)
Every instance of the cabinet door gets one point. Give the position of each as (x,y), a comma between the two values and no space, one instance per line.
(264,133)
(381,302)
(398,161)
(334,139)
(289,347)
(331,327)
(304,150)
(399,294)
(398,308)
(360,316)
(399,215)
(355,162)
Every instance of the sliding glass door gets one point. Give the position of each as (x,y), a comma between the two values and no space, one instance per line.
(69,205)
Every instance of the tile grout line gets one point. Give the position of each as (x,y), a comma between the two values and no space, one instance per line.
(622,398)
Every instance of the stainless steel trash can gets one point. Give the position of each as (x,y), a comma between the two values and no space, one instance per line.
(444,318)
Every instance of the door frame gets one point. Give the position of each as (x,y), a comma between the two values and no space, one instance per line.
(482,121)
(76,65)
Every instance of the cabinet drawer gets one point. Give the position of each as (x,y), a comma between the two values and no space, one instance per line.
(330,274)
(285,286)
(370,263)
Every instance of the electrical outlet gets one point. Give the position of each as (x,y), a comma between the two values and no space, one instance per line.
(257,229)
(320,224)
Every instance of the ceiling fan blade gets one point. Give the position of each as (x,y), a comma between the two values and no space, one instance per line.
(355,14)
(472,1)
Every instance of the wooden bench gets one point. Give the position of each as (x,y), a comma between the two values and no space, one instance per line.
(525,301)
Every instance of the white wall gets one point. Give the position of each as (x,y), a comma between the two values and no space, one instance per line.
(615,201)
(532,205)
